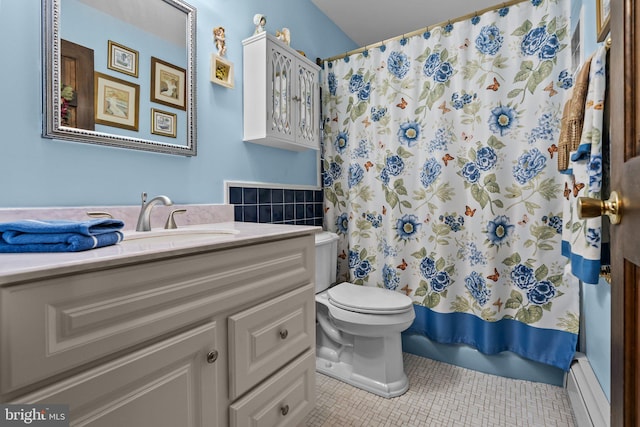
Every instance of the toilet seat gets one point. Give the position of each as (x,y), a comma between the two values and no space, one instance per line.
(366,324)
(367,299)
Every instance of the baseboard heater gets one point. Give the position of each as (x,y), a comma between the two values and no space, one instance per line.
(590,405)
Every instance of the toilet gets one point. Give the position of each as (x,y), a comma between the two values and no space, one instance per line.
(358,328)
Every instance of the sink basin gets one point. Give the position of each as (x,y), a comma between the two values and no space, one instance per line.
(186,234)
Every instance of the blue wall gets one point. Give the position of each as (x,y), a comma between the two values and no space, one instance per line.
(596,299)
(596,312)
(42,172)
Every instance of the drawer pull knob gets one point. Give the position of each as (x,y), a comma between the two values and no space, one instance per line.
(212,356)
(284,334)
(284,409)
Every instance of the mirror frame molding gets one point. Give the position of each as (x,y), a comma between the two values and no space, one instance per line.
(51,127)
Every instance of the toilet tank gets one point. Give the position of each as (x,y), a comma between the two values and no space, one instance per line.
(326,259)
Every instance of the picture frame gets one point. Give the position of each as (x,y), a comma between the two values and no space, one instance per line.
(116,102)
(163,123)
(221,71)
(168,84)
(122,59)
(603,17)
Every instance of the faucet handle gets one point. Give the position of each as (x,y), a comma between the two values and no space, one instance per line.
(171,222)
(99,215)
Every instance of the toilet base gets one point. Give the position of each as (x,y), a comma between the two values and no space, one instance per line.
(344,372)
(363,353)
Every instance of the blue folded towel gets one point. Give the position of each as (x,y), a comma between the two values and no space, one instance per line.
(59,235)
(88,227)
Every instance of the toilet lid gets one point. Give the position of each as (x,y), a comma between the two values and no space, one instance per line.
(367,299)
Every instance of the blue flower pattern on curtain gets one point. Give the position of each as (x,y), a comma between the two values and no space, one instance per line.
(439,176)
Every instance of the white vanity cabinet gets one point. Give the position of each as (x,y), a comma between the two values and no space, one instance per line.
(281,95)
(211,337)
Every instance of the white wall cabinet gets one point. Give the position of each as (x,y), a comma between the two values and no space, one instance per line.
(213,338)
(281,95)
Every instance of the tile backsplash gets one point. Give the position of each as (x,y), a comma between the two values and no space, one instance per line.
(276,205)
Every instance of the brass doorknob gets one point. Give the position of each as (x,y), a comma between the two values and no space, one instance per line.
(590,208)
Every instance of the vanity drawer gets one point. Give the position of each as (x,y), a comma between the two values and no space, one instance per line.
(52,326)
(266,337)
(283,400)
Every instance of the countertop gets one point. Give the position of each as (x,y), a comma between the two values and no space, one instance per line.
(16,268)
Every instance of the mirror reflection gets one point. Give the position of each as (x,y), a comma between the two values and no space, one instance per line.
(121,73)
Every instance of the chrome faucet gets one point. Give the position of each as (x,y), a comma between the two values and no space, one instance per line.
(144,219)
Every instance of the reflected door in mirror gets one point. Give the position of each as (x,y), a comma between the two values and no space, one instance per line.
(76,86)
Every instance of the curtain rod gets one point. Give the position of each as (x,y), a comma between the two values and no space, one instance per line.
(423,29)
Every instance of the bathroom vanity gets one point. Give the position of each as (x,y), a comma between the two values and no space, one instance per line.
(215,330)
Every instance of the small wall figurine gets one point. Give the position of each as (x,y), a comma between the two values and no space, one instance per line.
(219,40)
(259,20)
(284,35)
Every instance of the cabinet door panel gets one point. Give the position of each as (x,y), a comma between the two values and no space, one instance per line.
(265,337)
(168,384)
(280,108)
(308,106)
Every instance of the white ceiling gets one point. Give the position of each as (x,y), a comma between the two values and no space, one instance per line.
(163,19)
(370,21)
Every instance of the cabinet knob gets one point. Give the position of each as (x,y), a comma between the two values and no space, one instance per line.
(284,334)
(212,356)
(284,409)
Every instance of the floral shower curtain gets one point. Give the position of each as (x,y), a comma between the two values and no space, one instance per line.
(438,176)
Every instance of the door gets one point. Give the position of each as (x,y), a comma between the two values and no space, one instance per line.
(625,237)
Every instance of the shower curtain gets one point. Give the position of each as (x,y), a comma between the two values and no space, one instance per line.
(439,176)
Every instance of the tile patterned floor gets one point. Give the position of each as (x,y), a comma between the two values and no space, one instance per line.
(443,395)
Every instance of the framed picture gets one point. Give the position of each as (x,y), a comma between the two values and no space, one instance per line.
(168,84)
(116,102)
(603,15)
(122,59)
(163,123)
(221,71)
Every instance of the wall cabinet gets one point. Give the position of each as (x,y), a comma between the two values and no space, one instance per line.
(281,95)
(213,338)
